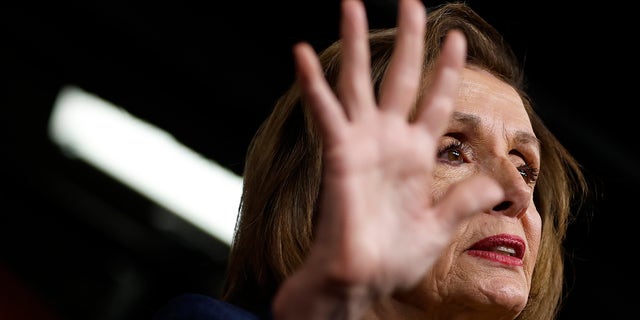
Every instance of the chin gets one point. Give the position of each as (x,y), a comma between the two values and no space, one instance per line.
(503,292)
(472,283)
(485,285)
(492,283)
(505,295)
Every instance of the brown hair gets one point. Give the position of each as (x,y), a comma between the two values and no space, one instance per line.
(283,169)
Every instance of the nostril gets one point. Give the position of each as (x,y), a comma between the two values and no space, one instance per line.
(504,205)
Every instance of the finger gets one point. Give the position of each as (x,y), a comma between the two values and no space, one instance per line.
(469,197)
(401,83)
(354,82)
(325,107)
(438,102)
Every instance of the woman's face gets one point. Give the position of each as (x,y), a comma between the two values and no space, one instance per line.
(489,264)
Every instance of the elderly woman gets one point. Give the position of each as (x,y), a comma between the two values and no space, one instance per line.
(404,176)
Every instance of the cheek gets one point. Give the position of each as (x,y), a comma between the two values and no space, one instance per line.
(532,224)
(443,276)
(449,274)
(444,177)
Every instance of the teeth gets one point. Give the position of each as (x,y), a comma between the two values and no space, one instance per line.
(505,250)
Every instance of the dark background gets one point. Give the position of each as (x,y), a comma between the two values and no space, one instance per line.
(75,244)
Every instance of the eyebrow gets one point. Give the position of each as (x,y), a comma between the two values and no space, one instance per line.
(473,121)
(468,119)
(523,137)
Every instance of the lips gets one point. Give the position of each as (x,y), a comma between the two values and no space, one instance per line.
(503,248)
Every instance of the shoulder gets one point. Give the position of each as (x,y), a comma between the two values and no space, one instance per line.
(201,307)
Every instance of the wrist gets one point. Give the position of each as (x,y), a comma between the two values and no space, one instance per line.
(313,293)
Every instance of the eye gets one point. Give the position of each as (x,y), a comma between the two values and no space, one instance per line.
(528,173)
(452,153)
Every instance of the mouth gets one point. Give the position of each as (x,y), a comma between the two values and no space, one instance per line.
(505,248)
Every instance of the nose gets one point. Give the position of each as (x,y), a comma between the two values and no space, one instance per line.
(517,192)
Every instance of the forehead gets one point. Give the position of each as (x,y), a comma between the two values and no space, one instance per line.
(492,101)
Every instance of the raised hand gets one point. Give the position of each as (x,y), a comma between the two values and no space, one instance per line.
(379,229)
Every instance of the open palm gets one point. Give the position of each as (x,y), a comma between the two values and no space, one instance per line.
(378,227)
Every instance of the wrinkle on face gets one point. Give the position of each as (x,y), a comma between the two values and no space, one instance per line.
(490,116)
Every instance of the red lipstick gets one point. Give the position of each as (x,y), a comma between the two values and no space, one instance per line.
(503,248)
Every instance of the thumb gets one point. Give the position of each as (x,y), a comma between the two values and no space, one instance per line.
(463,199)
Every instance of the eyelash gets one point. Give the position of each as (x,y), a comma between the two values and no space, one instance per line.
(456,146)
(528,172)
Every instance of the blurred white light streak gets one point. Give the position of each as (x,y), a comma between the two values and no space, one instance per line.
(148,160)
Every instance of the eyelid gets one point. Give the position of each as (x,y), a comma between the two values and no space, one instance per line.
(530,163)
(531,172)
(530,159)
(450,144)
